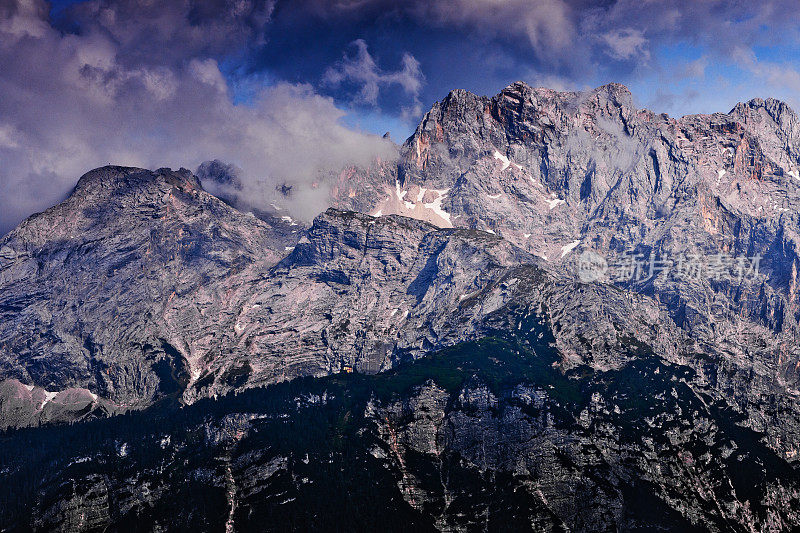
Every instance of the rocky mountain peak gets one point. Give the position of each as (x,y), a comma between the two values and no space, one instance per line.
(112,178)
(460,95)
(615,91)
(110,198)
(556,173)
(777,109)
(769,119)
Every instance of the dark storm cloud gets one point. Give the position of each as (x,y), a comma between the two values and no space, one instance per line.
(170,31)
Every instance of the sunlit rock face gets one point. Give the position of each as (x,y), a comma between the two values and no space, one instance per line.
(562,173)
(94,290)
(579,307)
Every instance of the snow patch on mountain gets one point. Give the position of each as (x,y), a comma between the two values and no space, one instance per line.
(436,206)
(48,397)
(411,203)
(567,248)
(503,159)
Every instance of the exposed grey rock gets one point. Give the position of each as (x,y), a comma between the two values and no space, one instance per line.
(185,314)
(142,287)
(498,440)
(87,287)
(557,173)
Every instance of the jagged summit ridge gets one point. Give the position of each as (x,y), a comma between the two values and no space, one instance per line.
(118,177)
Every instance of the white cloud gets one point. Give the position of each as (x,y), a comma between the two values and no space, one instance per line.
(625,44)
(778,75)
(695,69)
(362,70)
(74,102)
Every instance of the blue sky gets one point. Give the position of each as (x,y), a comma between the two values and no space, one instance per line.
(677,70)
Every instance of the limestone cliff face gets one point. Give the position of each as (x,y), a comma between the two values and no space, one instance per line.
(89,288)
(434,322)
(557,174)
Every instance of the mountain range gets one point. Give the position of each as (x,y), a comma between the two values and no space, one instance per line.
(429,353)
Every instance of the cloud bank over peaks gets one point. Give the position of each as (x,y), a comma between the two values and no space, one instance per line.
(73,101)
(272,88)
